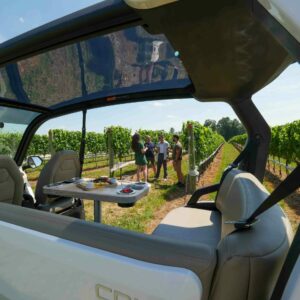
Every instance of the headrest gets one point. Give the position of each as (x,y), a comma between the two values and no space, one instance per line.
(239,195)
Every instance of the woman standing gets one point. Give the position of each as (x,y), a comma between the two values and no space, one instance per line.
(150,154)
(140,158)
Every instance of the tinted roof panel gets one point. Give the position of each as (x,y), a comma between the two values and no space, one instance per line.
(122,62)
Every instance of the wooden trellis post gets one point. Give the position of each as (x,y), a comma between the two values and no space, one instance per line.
(50,139)
(193,173)
(110,152)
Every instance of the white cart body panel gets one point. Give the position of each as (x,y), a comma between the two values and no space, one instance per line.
(287,13)
(38,266)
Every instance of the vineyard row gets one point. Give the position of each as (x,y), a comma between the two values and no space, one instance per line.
(206,141)
(285,142)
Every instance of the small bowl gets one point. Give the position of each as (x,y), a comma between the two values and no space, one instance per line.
(137,187)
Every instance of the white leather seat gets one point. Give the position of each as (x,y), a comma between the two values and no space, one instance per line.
(191,224)
(62,166)
(249,261)
(11,181)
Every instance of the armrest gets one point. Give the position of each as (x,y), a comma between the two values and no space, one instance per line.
(206,205)
(203,191)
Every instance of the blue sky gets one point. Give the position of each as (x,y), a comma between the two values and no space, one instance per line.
(278,102)
(18,16)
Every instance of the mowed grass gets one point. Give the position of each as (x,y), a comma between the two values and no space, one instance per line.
(228,156)
(229,153)
(136,218)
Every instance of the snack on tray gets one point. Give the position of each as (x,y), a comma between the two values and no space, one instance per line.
(105,181)
(101,179)
(85,185)
(100,185)
(112,181)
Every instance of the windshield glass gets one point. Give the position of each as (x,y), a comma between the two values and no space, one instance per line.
(20,16)
(13,123)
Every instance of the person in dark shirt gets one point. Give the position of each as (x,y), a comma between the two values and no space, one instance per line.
(150,153)
(140,158)
(177,159)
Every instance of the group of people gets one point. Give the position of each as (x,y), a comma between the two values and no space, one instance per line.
(145,157)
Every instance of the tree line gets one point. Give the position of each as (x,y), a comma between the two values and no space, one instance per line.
(226,127)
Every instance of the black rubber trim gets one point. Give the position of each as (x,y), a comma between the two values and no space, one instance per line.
(25,106)
(206,205)
(201,192)
(16,83)
(288,267)
(257,129)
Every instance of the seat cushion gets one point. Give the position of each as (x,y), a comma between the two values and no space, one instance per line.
(11,181)
(62,166)
(200,228)
(249,261)
(58,205)
(193,225)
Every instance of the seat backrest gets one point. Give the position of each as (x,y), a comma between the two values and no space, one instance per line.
(11,181)
(62,166)
(249,261)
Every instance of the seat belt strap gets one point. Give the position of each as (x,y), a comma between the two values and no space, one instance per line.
(287,267)
(285,188)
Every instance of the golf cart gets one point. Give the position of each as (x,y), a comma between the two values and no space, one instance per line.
(236,247)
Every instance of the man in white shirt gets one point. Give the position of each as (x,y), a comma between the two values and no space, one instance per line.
(162,149)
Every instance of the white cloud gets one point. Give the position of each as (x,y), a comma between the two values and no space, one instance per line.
(163,103)
(21,19)
(171,117)
(157,104)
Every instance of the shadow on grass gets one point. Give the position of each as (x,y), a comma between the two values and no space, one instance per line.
(171,192)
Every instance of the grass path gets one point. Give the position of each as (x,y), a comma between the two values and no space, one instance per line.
(229,154)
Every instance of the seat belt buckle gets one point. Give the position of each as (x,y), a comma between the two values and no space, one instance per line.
(241,224)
